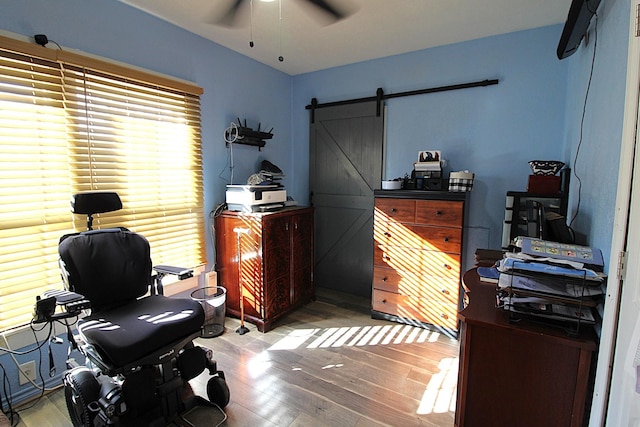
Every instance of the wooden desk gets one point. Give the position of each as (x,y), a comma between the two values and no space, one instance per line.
(523,374)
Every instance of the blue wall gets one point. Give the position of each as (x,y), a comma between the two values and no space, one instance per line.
(492,131)
(599,153)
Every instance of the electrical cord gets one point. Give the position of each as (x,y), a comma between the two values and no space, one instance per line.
(13,416)
(231,135)
(11,413)
(12,353)
(38,347)
(584,112)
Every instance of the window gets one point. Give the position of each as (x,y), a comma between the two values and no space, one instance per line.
(70,123)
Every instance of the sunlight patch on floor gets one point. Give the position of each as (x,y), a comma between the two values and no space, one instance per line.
(358,336)
(440,393)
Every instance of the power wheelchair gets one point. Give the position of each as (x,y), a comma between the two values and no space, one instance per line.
(137,343)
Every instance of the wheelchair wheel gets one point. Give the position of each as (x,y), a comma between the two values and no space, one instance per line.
(81,388)
(218,391)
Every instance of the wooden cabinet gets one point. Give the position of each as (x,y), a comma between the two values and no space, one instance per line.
(276,262)
(417,257)
(523,374)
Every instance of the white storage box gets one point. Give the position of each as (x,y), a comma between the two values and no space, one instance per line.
(461,181)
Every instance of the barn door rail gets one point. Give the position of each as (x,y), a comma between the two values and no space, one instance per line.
(381,96)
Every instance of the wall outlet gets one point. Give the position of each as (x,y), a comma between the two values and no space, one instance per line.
(29,368)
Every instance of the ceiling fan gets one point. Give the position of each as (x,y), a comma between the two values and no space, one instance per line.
(228,17)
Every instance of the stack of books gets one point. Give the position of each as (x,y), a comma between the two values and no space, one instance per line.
(553,282)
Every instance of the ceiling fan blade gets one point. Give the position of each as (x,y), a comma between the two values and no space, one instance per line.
(333,12)
(229,18)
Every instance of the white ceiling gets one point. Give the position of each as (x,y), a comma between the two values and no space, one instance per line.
(375,28)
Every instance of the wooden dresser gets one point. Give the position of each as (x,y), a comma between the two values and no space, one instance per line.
(524,374)
(417,257)
(276,262)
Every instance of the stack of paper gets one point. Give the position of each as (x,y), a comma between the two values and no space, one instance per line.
(552,281)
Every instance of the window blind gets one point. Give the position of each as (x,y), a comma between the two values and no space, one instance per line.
(67,128)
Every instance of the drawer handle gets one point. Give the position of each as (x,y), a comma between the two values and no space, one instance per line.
(446,239)
(384,279)
(447,266)
(384,301)
(445,291)
(386,257)
(387,234)
(444,316)
(393,210)
(286,226)
(438,213)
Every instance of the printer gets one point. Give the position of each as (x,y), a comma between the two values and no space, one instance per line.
(255,198)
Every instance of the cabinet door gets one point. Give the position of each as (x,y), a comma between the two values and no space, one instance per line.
(249,271)
(302,258)
(277,263)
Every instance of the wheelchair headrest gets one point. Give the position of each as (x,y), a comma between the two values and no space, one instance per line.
(93,202)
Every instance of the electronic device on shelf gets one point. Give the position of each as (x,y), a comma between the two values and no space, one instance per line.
(255,198)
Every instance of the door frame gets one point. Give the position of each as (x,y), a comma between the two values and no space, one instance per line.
(602,387)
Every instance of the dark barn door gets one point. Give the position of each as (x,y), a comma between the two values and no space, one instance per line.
(346,146)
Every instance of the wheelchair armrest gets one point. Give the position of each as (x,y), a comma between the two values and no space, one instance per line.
(63,297)
(182,273)
(72,302)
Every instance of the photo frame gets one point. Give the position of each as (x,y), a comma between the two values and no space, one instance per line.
(429,156)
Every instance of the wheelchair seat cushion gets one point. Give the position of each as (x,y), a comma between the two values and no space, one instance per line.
(130,332)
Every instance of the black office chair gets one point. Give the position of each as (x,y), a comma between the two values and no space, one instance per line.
(137,342)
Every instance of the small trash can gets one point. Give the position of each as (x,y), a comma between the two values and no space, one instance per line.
(213,301)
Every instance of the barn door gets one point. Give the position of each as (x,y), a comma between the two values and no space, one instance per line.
(346,148)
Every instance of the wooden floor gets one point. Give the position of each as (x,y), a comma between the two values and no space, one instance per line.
(327,364)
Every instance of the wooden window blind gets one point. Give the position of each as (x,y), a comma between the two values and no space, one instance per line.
(67,127)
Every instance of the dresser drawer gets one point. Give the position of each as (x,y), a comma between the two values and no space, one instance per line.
(424,263)
(420,309)
(398,210)
(444,289)
(442,239)
(439,212)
